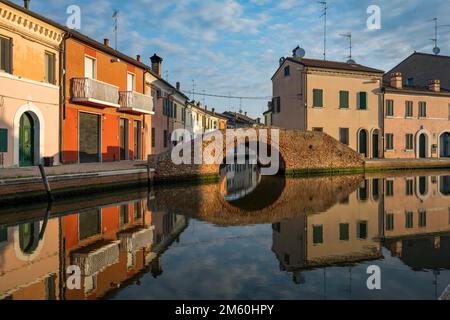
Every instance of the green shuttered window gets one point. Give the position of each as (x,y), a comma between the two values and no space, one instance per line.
(343,99)
(318,98)
(3,140)
(362,100)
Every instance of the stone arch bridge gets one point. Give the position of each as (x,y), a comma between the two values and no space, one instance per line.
(299,151)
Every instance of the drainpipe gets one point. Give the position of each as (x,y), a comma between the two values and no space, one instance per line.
(305,96)
(62,91)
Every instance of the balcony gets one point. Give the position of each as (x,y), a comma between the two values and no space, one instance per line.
(96,258)
(94,92)
(134,102)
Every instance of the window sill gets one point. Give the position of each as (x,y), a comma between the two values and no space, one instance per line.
(342,108)
(389,150)
(411,118)
(359,109)
(409,151)
(317,107)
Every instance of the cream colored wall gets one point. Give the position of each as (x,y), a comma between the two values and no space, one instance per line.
(352,213)
(289,89)
(331,118)
(25,90)
(19,271)
(436,123)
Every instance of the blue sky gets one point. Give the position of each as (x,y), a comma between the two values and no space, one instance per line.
(233,47)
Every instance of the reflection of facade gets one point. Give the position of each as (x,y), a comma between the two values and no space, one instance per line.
(346,233)
(110,245)
(416,207)
(29,266)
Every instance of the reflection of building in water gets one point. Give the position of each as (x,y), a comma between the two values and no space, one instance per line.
(29,266)
(346,233)
(240,180)
(417,217)
(108,244)
(111,245)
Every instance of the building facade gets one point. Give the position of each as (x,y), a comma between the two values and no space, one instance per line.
(29,87)
(416,120)
(340,99)
(105,111)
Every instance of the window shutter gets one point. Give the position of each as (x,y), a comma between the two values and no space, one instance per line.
(344,99)
(362,100)
(3,140)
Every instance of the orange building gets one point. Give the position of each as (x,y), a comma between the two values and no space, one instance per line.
(105,112)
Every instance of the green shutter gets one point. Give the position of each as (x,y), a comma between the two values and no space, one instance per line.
(3,140)
(317,98)
(318,234)
(362,96)
(344,232)
(343,99)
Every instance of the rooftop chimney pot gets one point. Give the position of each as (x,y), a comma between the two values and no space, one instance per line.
(396,80)
(26,4)
(434,85)
(156,64)
(138,58)
(106,42)
(178,85)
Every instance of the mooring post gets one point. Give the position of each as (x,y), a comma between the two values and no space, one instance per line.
(149,174)
(46,184)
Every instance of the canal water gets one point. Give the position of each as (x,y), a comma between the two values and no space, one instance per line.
(243,237)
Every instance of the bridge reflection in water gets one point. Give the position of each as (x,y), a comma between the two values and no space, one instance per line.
(238,238)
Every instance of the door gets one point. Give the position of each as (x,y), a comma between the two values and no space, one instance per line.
(89,68)
(363,143)
(376,149)
(137,140)
(26,141)
(445,145)
(89,137)
(130,82)
(422,146)
(123,137)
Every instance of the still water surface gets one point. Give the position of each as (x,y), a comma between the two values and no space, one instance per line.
(245,237)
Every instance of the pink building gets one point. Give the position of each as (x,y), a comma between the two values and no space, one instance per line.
(416,120)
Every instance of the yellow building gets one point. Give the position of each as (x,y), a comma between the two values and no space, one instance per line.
(340,99)
(29,87)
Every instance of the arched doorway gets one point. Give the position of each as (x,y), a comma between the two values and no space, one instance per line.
(444,145)
(423,145)
(26,140)
(362,142)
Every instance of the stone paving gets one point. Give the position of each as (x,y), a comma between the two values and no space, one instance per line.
(29,172)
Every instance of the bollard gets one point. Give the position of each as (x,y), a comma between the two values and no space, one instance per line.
(48,190)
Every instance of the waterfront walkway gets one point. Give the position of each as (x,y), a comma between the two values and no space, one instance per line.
(398,164)
(73,169)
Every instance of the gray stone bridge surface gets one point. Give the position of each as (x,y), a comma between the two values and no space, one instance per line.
(298,150)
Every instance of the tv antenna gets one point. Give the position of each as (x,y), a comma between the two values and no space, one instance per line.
(324,15)
(349,37)
(115,17)
(436,49)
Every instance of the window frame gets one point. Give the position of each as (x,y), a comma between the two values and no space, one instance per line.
(318,104)
(9,63)
(344,96)
(51,74)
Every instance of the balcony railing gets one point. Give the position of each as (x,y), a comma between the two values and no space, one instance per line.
(135,102)
(95,92)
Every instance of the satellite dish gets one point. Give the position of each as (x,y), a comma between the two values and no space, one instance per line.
(299,52)
(351,61)
(436,50)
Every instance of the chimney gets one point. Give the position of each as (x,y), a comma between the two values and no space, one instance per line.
(106,42)
(245,113)
(26,4)
(434,85)
(396,80)
(213,110)
(138,58)
(156,64)
(178,85)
